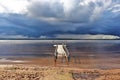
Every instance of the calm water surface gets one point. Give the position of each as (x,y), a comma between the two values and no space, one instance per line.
(44,48)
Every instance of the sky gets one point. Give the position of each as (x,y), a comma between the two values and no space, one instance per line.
(75,19)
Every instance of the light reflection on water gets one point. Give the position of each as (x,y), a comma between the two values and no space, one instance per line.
(45,47)
(95,53)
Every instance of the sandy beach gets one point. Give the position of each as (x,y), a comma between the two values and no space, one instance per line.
(44,69)
(36,72)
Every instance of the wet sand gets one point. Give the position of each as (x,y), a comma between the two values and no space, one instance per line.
(77,62)
(84,61)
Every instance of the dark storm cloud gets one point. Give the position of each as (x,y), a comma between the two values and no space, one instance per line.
(18,24)
(48,18)
(87,16)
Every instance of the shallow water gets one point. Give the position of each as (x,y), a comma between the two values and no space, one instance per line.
(12,50)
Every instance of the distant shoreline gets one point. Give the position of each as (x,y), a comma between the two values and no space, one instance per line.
(56,39)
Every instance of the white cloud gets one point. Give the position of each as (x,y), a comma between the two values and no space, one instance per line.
(87,36)
(75,11)
(115,11)
(100,7)
(68,6)
(78,11)
(115,8)
(68,10)
(13,6)
(42,36)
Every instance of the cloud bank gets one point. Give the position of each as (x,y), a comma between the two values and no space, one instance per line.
(87,36)
(41,18)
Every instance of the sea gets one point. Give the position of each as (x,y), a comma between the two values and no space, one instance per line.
(16,50)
